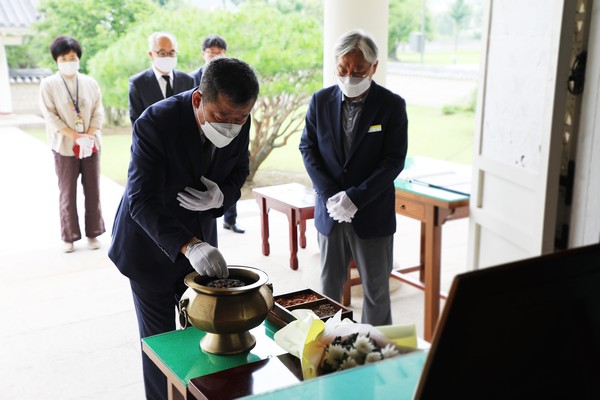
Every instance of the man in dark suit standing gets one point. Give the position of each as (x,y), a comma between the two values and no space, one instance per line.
(161,80)
(214,46)
(189,161)
(354,145)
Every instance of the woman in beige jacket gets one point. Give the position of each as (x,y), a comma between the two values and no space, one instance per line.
(72,107)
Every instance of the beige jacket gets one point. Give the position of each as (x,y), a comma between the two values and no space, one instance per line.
(59,112)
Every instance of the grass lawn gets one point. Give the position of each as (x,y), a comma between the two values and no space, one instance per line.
(446,137)
(430,133)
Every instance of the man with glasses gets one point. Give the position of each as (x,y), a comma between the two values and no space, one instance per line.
(189,161)
(353,146)
(212,46)
(159,81)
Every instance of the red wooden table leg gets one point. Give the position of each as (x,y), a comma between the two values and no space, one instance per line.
(302,224)
(264,225)
(291,214)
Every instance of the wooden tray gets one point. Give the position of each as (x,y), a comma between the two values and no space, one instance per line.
(280,315)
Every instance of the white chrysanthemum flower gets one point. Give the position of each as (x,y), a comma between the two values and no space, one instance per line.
(363,344)
(389,351)
(334,354)
(373,357)
(348,363)
(354,353)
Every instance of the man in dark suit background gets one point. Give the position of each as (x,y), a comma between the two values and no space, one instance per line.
(214,46)
(354,145)
(189,161)
(161,80)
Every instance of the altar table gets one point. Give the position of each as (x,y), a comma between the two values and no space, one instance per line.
(179,356)
(268,372)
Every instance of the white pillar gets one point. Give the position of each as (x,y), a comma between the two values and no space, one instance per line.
(5,97)
(342,16)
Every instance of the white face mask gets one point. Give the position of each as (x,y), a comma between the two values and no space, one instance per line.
(353,87)
(165,64)
(220,134)
(68,68)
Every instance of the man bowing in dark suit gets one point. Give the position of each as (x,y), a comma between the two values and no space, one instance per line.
(189,161)
(161,80)
(353,146)
(214,46)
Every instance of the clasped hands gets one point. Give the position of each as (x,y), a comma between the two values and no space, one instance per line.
(86,145)
(341,208)
(197,200)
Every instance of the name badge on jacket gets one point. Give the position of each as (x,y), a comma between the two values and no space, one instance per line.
(374,128)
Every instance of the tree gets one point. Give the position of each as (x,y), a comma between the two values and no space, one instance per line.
(310,8)
(291,69)
(288,62)
(20,57)
(404,18)
(459,13)
(95,24)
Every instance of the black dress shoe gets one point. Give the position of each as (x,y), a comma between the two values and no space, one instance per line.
(233,227)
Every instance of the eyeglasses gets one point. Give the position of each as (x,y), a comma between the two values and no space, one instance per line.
(342,73)
(162,53)
(213,52)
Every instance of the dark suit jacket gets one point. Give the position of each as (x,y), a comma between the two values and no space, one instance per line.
(197,75)
(145,91)
(166,156)
(375,159)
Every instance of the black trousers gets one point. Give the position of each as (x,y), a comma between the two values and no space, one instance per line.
(156,313)
(231,215)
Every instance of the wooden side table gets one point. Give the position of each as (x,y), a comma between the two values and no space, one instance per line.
(297,202)
(433,207)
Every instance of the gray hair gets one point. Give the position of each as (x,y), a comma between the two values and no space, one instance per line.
(356,40)
(153,39)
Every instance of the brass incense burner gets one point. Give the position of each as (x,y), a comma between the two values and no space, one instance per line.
(227,314)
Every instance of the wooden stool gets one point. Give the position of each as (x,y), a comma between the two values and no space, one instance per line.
(346,297)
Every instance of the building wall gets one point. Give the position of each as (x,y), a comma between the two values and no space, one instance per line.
(25,98)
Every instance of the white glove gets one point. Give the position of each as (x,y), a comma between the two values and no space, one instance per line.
(207,260)
(86,146)
(341,208)
(335,213)
(196,200)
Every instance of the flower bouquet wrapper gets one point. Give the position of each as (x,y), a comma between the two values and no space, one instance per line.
(308,338)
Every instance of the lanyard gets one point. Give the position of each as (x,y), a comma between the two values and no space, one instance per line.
(76,99)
